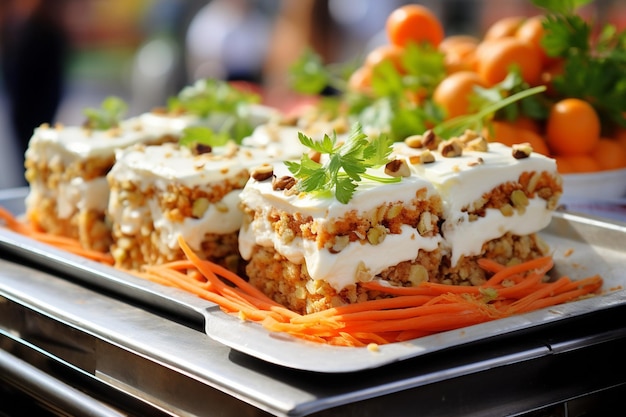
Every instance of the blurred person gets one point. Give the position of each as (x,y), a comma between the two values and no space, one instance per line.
(34,47)
(228,39)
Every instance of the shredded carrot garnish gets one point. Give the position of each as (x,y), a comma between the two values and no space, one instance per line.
(60,242)
(408,312)
(405,313)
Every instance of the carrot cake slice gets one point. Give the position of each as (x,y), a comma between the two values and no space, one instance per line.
(463,200)
(310,251)
(158,193)
(495,199)
(66,169)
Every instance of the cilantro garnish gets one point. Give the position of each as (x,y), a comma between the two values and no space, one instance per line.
(193,135)
(109,115)
(211,96)
(345,166)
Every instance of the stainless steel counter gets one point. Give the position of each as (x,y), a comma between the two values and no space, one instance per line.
(128,354)
(80,348)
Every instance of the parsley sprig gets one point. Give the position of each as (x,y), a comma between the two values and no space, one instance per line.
(109,115)
(347,163)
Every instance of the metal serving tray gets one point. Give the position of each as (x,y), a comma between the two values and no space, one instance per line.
(581,245)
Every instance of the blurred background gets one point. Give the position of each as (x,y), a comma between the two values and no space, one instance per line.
(60,56)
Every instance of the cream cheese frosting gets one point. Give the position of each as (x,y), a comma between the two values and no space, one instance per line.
(339,269)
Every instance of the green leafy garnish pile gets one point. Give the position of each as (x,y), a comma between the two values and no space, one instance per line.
(211,96)
(109,115)
(346,165)
(389,107)
(401,104)
(594,66)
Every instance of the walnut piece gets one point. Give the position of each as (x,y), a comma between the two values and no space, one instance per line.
(262,172)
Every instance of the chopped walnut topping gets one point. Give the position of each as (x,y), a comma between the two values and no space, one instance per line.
(201,148)
(262,172)
(285,182)
(397,168)
(478,161)
(430,140)
(414,141)
(427,157)
(477,144)
(468,136)
(522,150)
(340,243)
(199,207)
(451,148)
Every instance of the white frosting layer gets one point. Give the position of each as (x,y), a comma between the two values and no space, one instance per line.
(459,181)
(278,142)
(339,269)
(78,143)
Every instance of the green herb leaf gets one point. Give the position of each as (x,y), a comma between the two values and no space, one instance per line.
(109,114)
(594,66)
(475,121)
(211,96)
(345,165)
(203,135)
(561,6)
(308,74)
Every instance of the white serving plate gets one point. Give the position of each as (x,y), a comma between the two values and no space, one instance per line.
(582,246)
(602,185)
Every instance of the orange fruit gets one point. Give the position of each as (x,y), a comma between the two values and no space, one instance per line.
(504,27)
(414,23)
(450,42)
(620,136)
(563,165)
(579,163)
(501,131)
(453,92)
(536,141)
(360,80)
(531,30)
(609,154)
(510,134)
(391,53)
(573,127)
(460,57)
(524,122)
(495,58)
